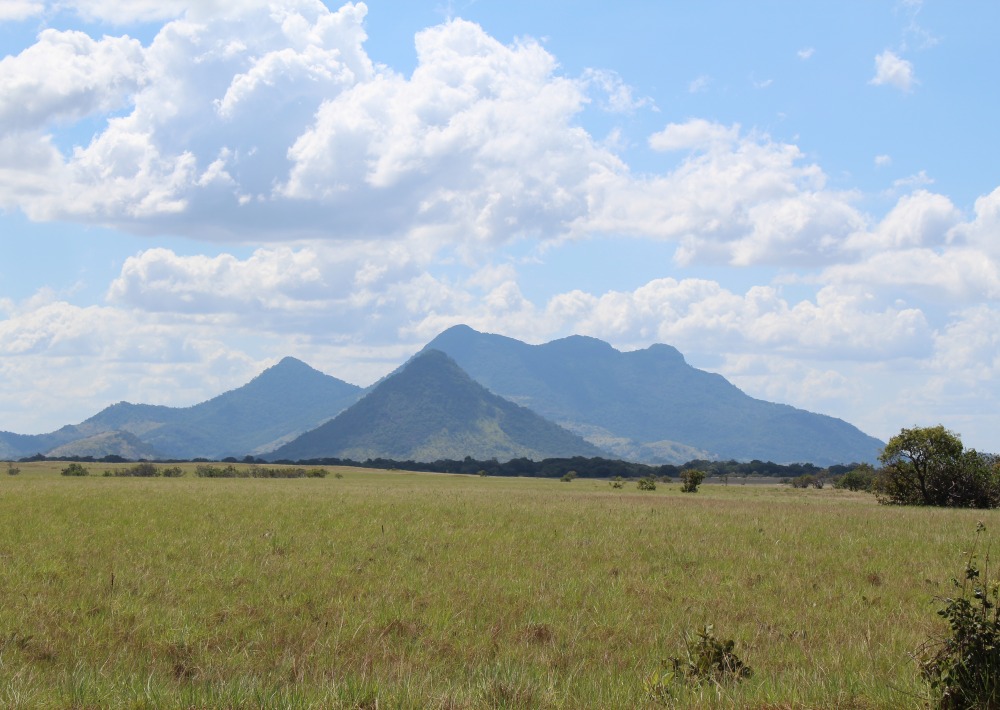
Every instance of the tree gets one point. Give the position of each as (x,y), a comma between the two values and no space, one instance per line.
(690,480)
(930,466)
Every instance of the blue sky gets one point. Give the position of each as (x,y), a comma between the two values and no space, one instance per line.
(802,197)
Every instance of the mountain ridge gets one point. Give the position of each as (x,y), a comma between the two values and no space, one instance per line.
(430,409)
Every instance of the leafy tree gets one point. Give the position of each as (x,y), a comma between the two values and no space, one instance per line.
(691,479)
(929,466)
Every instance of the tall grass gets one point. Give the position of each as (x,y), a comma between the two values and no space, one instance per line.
(406,590)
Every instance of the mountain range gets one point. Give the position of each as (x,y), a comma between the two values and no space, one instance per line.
(473,394)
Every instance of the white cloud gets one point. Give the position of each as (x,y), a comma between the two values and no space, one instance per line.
(20,9)
(66,76)
(894,71)
(617,96)
(696,134)
(918,219)
(806,53)
(883,161)
(699,84)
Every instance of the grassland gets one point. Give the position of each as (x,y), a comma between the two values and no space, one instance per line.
(387,589)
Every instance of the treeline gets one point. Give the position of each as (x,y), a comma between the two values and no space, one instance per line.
(584,467)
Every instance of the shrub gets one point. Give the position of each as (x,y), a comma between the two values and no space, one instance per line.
(617,482)
(647,483)
(568,476)
(172,472)
(75,469)
(143,470)
(691,479)
(316,473)
(963,669)
(12,470)
(706,659)
(858,479)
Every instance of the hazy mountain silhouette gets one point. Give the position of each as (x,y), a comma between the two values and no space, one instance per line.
(109,443)
(430,409)
(276,406)
(650,402)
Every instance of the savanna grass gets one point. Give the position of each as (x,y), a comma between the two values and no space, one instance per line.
(423,590)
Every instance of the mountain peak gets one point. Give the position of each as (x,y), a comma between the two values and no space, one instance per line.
(431,409)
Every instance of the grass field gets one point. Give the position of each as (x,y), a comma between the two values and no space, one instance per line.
(388,589)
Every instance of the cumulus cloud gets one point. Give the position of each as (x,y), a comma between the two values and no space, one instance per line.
(270,123)
(696,134)
(891,70)
(66,76)
(20,9)
(918,219)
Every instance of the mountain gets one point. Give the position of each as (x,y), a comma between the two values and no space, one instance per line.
(276,406)
(649,404)
(430,409)
(117,443)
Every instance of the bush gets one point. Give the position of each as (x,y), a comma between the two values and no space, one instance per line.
(706,659)
(568,476)
(647,483)
(859,479)
(172,472)
(963,669)
(691,479)
(617,482)
(12,470)
(75,469)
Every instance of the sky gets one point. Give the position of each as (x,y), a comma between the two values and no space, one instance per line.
(802,197)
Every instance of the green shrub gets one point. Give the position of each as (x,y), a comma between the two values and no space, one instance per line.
(12,470)
(172,472)
(963,669)
(691,479)
(705,659)
(617,482)
(858,479)
(568,476)
(316,473)
(647,483)
(75,469)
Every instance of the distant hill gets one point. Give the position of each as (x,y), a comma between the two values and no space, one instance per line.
(276,406)
(430,409)
(650,404)
(109,443)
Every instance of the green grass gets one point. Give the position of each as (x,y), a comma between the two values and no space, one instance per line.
(385,589)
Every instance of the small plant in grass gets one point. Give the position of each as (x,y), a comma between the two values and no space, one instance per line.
(338,474)
(706,659)
(963,669)
(12,470)
(172,472)
(75,469)
(617,482)
(691,479)
(568,476)
(647,483)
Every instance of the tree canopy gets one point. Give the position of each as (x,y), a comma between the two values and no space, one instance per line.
(930,466)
